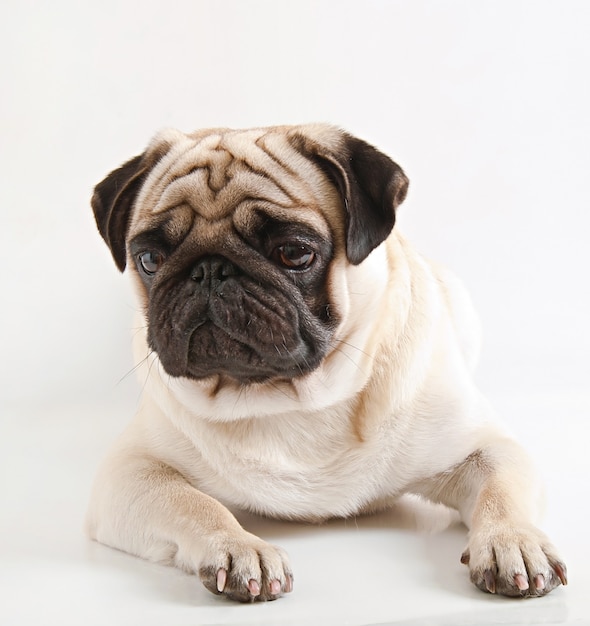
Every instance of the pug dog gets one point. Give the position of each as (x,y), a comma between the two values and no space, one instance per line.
(298,359)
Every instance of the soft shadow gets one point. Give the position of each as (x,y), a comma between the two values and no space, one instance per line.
(407,513)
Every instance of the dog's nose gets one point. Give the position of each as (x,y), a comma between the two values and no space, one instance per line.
(213,268)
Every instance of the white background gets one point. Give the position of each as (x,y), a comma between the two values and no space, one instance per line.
(484,103)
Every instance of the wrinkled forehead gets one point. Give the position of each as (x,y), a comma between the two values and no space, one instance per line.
(222,172)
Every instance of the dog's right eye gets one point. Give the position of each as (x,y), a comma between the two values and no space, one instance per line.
(150,262)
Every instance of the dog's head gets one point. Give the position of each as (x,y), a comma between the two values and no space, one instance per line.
(234,235)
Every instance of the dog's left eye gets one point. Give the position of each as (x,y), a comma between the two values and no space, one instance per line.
(150,262)
(293,256)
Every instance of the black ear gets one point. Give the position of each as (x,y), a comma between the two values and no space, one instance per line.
(112,203)
(372,187)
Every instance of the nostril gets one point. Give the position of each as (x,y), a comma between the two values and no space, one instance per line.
(198,274)
(213,268)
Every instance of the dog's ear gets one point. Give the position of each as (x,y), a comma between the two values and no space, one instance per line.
(115,196)
(112,203)
(372,186)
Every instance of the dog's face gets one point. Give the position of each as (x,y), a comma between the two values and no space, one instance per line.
(238,240)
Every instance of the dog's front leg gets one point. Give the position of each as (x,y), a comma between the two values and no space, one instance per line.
(145,507)
(496,491)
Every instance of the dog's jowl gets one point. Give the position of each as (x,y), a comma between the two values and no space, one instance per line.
(290,343)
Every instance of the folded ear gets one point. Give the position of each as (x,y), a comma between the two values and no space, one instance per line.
(112,203)
(372,186)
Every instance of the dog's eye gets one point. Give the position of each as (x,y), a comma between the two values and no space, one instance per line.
(293,256)
(150,262)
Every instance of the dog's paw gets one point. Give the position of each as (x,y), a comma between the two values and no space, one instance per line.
(245,568)
(513,561)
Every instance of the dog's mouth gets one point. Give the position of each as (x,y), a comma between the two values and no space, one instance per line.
(249,333)
(213,350)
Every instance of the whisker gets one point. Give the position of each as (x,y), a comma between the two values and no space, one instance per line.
(149,370)
(358,367)
(281,391)
(138,330)
(239,397)
(341,351)
(291,355)
(134,369)
(350,345)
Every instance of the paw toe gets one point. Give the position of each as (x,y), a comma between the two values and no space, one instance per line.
(247,571)
(515,563)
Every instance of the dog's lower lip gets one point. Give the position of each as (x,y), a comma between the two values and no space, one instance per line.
(245,380)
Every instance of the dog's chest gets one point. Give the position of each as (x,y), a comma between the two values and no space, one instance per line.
(292,468)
